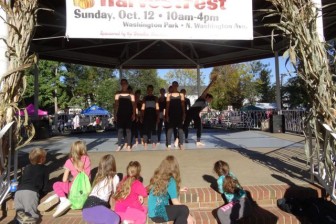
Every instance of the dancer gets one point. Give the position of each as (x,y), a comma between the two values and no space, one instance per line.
(150,116)
(162,107)
(194,114)
(175,114)
(136,124)
(124,113)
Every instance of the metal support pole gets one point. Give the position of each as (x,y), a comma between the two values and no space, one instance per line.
(120,73)
(36,91)
(198,81)
(277,80)
(55,105)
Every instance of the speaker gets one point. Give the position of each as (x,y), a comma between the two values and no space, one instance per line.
(278,124)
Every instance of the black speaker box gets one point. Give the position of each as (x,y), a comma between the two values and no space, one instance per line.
(278,124)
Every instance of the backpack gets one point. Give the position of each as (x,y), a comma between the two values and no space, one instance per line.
(80,190)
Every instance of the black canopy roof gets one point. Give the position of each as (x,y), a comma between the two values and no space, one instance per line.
(50,43)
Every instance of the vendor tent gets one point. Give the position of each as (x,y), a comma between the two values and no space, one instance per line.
(250,107)
(95,111)
(31,111)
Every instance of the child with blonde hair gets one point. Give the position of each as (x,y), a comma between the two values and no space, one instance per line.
(33,184)
(97,207)
(234,194)
(78,161)
(129,196)
(165,186)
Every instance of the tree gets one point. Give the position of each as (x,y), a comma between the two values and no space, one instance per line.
(295,93)
(187,78)
(227,90)
(105,93)
(49,81)
(140,79)
(264,86)
(83,82)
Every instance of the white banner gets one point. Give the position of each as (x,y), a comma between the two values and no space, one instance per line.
(160,19)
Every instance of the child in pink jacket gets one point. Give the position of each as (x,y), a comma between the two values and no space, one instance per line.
(129,196)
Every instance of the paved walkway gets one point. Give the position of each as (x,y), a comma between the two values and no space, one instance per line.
(257,158)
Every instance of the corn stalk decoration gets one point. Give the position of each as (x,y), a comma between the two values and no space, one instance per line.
(309,57)
(21,21)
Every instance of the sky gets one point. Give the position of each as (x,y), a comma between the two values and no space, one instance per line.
(282,67)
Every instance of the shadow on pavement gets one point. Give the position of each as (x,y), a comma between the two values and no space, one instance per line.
(286,160)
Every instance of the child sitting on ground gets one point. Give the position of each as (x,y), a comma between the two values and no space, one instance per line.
(33,184)
(129,196)
(97,207)
(78,161)
(234,194)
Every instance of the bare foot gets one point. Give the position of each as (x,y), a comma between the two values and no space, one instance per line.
(176,143)
(118,149)
(181,147)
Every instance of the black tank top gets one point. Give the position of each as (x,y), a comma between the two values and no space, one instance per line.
(150,106)
(175,106)
(162,104)
(125,105)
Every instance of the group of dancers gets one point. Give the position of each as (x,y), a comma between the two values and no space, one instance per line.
(143,119)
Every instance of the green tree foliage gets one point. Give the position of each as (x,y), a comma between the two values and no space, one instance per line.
(295,93)
(83,84)
(228,89)
(264,86)
(105,93)
(187,78)
(140,79)
(49,84)
(242,81)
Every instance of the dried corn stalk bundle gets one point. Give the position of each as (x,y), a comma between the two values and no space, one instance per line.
(309,56)
(21,20)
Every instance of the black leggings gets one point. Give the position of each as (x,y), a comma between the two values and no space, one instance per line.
(197,124)
(177,213)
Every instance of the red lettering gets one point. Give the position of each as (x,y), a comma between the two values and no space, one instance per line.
(166,4)
(222,4)
(212,4)
(110,2)
(154,4)
(121,3)
(186,4)
(181,4)
(199,4)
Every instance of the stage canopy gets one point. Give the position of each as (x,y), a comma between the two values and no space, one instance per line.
(50,41)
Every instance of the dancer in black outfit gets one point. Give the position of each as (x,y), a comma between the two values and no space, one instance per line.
(124,113)
(150,115)
(175,114)
(162,108)
(136,124)
(194,114)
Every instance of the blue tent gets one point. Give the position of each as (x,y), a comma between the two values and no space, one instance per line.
(95,111)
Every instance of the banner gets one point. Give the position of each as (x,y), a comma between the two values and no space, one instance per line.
(160,19)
